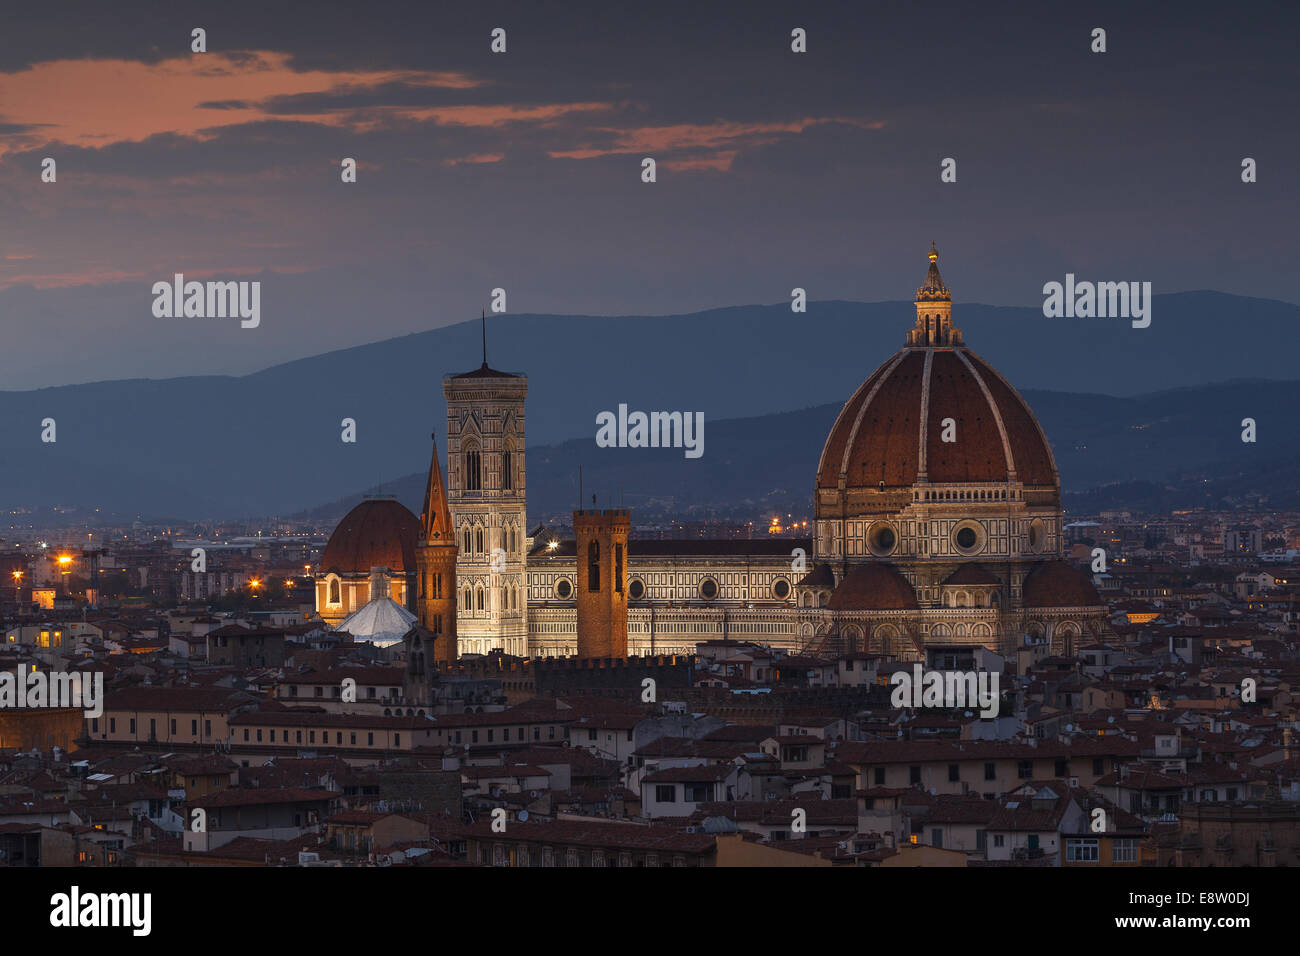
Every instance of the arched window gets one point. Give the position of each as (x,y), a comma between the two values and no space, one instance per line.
(618,568)
(336,596)
(473,469)
(468,549)
(593,566)
(480,599)
(507,474)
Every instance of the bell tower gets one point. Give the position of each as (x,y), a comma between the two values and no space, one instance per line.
(602,581)
(487,497)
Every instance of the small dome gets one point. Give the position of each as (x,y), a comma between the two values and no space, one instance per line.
(873,587)
(379,532)
(1057,584)
(971,574)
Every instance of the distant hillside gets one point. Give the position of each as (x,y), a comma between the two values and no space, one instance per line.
(1176,449)
(269,443)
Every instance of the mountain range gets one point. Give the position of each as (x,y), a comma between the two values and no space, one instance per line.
(1121,406)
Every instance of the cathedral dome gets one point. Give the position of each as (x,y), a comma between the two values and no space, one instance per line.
(379,532)
(1057,584)
(891,433)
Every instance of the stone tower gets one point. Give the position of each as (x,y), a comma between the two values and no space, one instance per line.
(487,500)
(435,558)
(602,581)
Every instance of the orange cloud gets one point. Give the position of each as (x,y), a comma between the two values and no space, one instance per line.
(722,138)
(94,103)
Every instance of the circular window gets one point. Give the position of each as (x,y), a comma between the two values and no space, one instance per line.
(781,588)
(708,589)
(564,589)
(1037,534)
(968,537)
(881,539)
(636,589)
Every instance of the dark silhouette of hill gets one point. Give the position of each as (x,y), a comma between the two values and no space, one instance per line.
(269,443)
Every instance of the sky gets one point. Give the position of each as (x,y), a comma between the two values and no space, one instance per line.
(522,170)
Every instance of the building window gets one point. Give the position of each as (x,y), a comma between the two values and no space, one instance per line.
(1123,851)
(336,595)
(593,567)
(473,470)
(1026,770)
(665,793)
(507,474)
(990,771)
(618,569)
(1081,851)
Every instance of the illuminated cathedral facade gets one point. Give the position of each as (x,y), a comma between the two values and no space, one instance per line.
(937,522)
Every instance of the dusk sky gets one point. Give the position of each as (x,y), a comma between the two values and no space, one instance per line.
(523,170)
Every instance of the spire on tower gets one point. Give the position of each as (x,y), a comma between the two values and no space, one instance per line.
(934,310)
(933,289)
(435,518)
(482,318)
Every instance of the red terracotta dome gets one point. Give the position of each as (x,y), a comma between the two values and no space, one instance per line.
(873,587)
(378,533)
(891,430)
(1057,584)
(878,435)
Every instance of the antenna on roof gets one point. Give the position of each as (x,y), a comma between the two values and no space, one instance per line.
(482,317)
(579,487)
